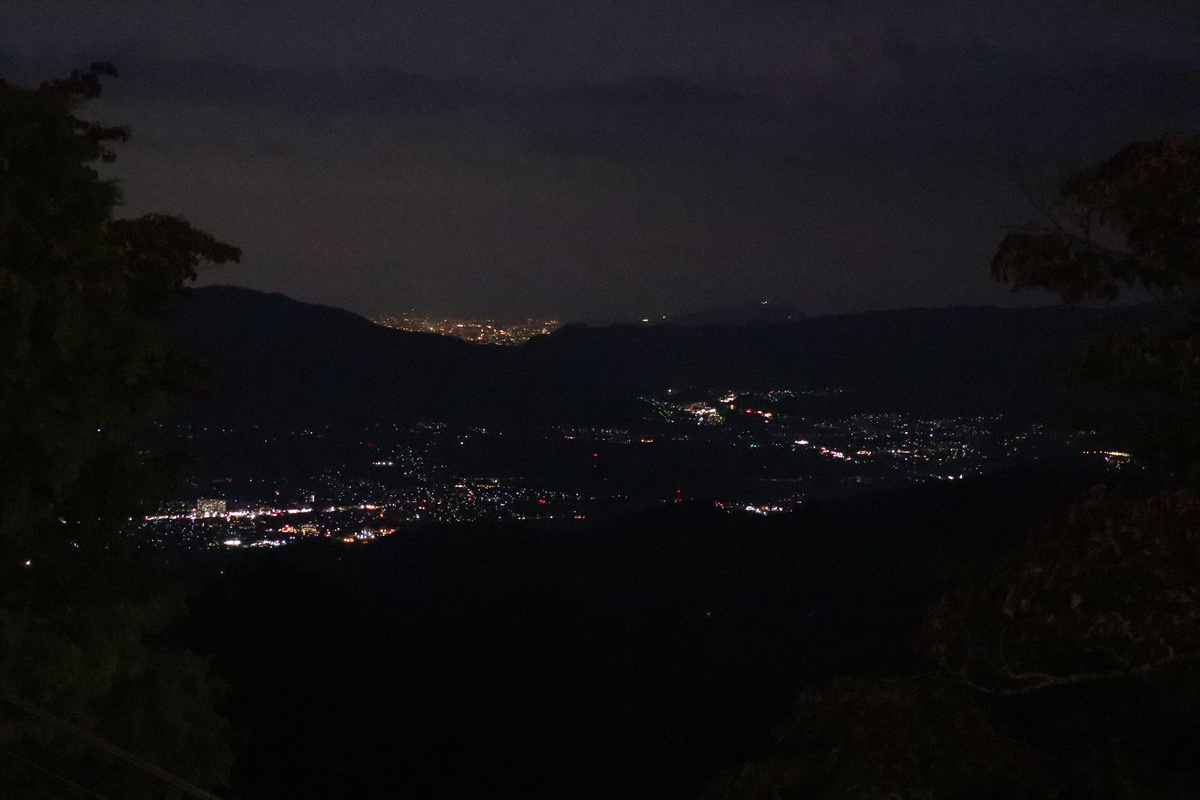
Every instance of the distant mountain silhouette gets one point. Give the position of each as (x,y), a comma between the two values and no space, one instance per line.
(280,360)
(762,313)
(284,362)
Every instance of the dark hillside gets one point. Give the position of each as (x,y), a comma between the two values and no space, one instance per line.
(947,360)
(282,361)
(293,364)
(632,660)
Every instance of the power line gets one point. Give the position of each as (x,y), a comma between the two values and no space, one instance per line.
(108,747)
(52,774)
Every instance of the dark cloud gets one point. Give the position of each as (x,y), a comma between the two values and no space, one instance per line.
(588,159)
(374,91)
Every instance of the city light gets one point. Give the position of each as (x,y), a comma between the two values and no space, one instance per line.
(472,330)
(792,460)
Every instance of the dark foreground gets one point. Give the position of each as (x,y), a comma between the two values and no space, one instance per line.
(633,659)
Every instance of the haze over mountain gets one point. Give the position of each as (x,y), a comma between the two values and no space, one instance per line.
(763,311)
(283,362)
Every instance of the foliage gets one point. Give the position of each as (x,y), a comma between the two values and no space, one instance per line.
(1130,223)
(1109,588)
(1090,631)
(1082,645)
(890,739)
(83,366)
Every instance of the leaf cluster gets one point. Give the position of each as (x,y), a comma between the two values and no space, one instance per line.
(1066,666)
(84,365)
(1132,221)
(1129,223)
(890,739)
(1109,588)
(83,362)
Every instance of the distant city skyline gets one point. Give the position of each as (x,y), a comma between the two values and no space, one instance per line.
(732,313)
(481,330)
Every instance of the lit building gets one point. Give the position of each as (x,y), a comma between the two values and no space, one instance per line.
(210,507)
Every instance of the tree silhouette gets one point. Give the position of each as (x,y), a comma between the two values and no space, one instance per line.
(84,366)
(1068,668)
(1130,223)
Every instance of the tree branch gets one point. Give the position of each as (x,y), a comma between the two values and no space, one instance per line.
(1035,681)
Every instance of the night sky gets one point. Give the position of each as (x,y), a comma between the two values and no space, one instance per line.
(626,158)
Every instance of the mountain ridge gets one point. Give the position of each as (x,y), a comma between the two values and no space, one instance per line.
(285,362)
